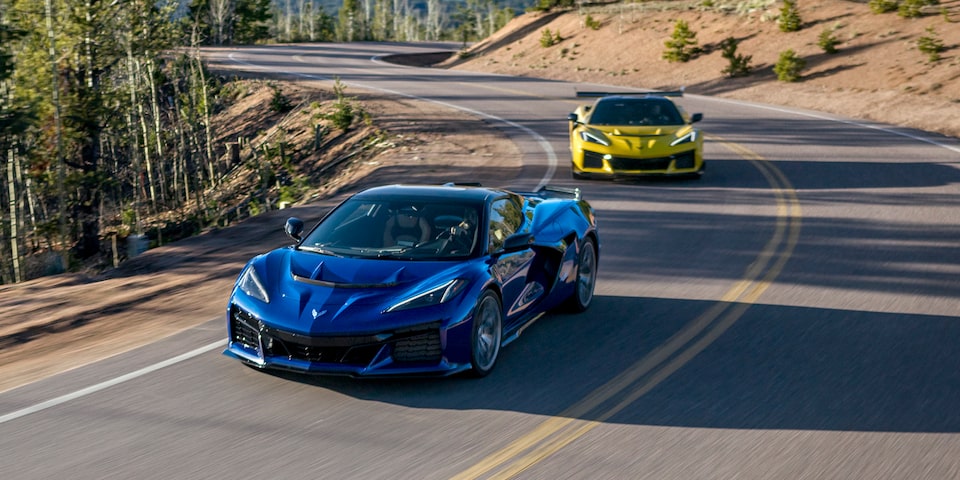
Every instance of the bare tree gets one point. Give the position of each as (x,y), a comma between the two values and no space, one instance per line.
(435,19)
(14,216)
(221,16)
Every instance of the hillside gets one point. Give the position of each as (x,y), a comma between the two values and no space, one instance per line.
(877,74)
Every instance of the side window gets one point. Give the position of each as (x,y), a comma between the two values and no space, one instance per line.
(505,220)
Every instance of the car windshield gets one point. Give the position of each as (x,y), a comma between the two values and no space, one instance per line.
(635,111)
(397,229)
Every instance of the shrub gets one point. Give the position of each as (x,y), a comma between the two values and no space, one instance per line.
(682,45)
(883,6)
(342,116)
(591,23)
(931,45)
(739,65)
(547,5)
(279,103)
(914,8)
(344,110)
(549,39)
(789,65)
(789,17)
(827,41)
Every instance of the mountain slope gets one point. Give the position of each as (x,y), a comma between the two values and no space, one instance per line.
(878,73)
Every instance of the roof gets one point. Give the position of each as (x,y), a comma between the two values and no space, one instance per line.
(470,193)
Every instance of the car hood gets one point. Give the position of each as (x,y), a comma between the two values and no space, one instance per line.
(640,131)
(312,293)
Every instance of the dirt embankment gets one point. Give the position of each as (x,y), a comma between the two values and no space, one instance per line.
(878,73)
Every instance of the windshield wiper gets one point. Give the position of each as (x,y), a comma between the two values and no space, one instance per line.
(321,250)
(394,253)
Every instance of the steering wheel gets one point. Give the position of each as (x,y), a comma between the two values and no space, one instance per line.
(455,238)
(450,233)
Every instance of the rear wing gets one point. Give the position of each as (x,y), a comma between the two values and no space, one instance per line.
(671,93)
(550,191)
(545,192)
(462,184)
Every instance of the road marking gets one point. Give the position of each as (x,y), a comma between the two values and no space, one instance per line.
(109,383)
(637,380)
(634,382)
(881,128)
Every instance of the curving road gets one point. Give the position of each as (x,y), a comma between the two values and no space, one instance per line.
(793,314)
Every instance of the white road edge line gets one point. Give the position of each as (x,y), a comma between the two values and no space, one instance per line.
(837,119)
(109,383)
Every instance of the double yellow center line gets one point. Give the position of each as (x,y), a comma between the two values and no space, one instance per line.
(637,380)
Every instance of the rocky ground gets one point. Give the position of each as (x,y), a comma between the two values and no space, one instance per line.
(56,323)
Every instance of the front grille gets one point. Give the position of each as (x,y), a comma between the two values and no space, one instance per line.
(419,346)
(684,160)
(309,353)
(592,159)
(244,329)
(415,344)
(622,163)
(348,349)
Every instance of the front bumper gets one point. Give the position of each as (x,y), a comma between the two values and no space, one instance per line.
(587,163)
(416,350)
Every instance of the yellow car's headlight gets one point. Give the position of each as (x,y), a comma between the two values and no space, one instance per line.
(689,137)
(594,136)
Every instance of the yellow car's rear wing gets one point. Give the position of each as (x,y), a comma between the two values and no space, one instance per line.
(671,93)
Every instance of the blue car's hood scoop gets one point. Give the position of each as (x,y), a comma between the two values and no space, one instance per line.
(346,274)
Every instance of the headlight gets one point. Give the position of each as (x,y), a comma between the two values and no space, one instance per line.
(593,136)
(434,296)
(688,138)
(251,285)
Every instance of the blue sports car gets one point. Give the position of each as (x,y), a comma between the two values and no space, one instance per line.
(414,280)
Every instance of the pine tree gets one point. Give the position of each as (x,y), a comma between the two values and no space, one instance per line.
(251,21)
(682,45)
(350,26)
(789,17)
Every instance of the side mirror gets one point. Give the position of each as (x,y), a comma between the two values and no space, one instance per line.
(294,228)
(517,242)
(573,117)
(696,117)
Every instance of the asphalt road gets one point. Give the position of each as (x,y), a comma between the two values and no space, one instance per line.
(793,314)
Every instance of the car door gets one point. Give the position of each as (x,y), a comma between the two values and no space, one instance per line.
(510,268)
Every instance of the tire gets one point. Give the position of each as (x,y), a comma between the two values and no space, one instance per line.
(586,279)
(487,334)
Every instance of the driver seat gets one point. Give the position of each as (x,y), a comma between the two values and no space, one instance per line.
(405,231)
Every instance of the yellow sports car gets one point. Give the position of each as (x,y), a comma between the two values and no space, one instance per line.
(629,135)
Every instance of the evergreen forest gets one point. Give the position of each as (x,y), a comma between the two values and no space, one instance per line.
(105,107)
